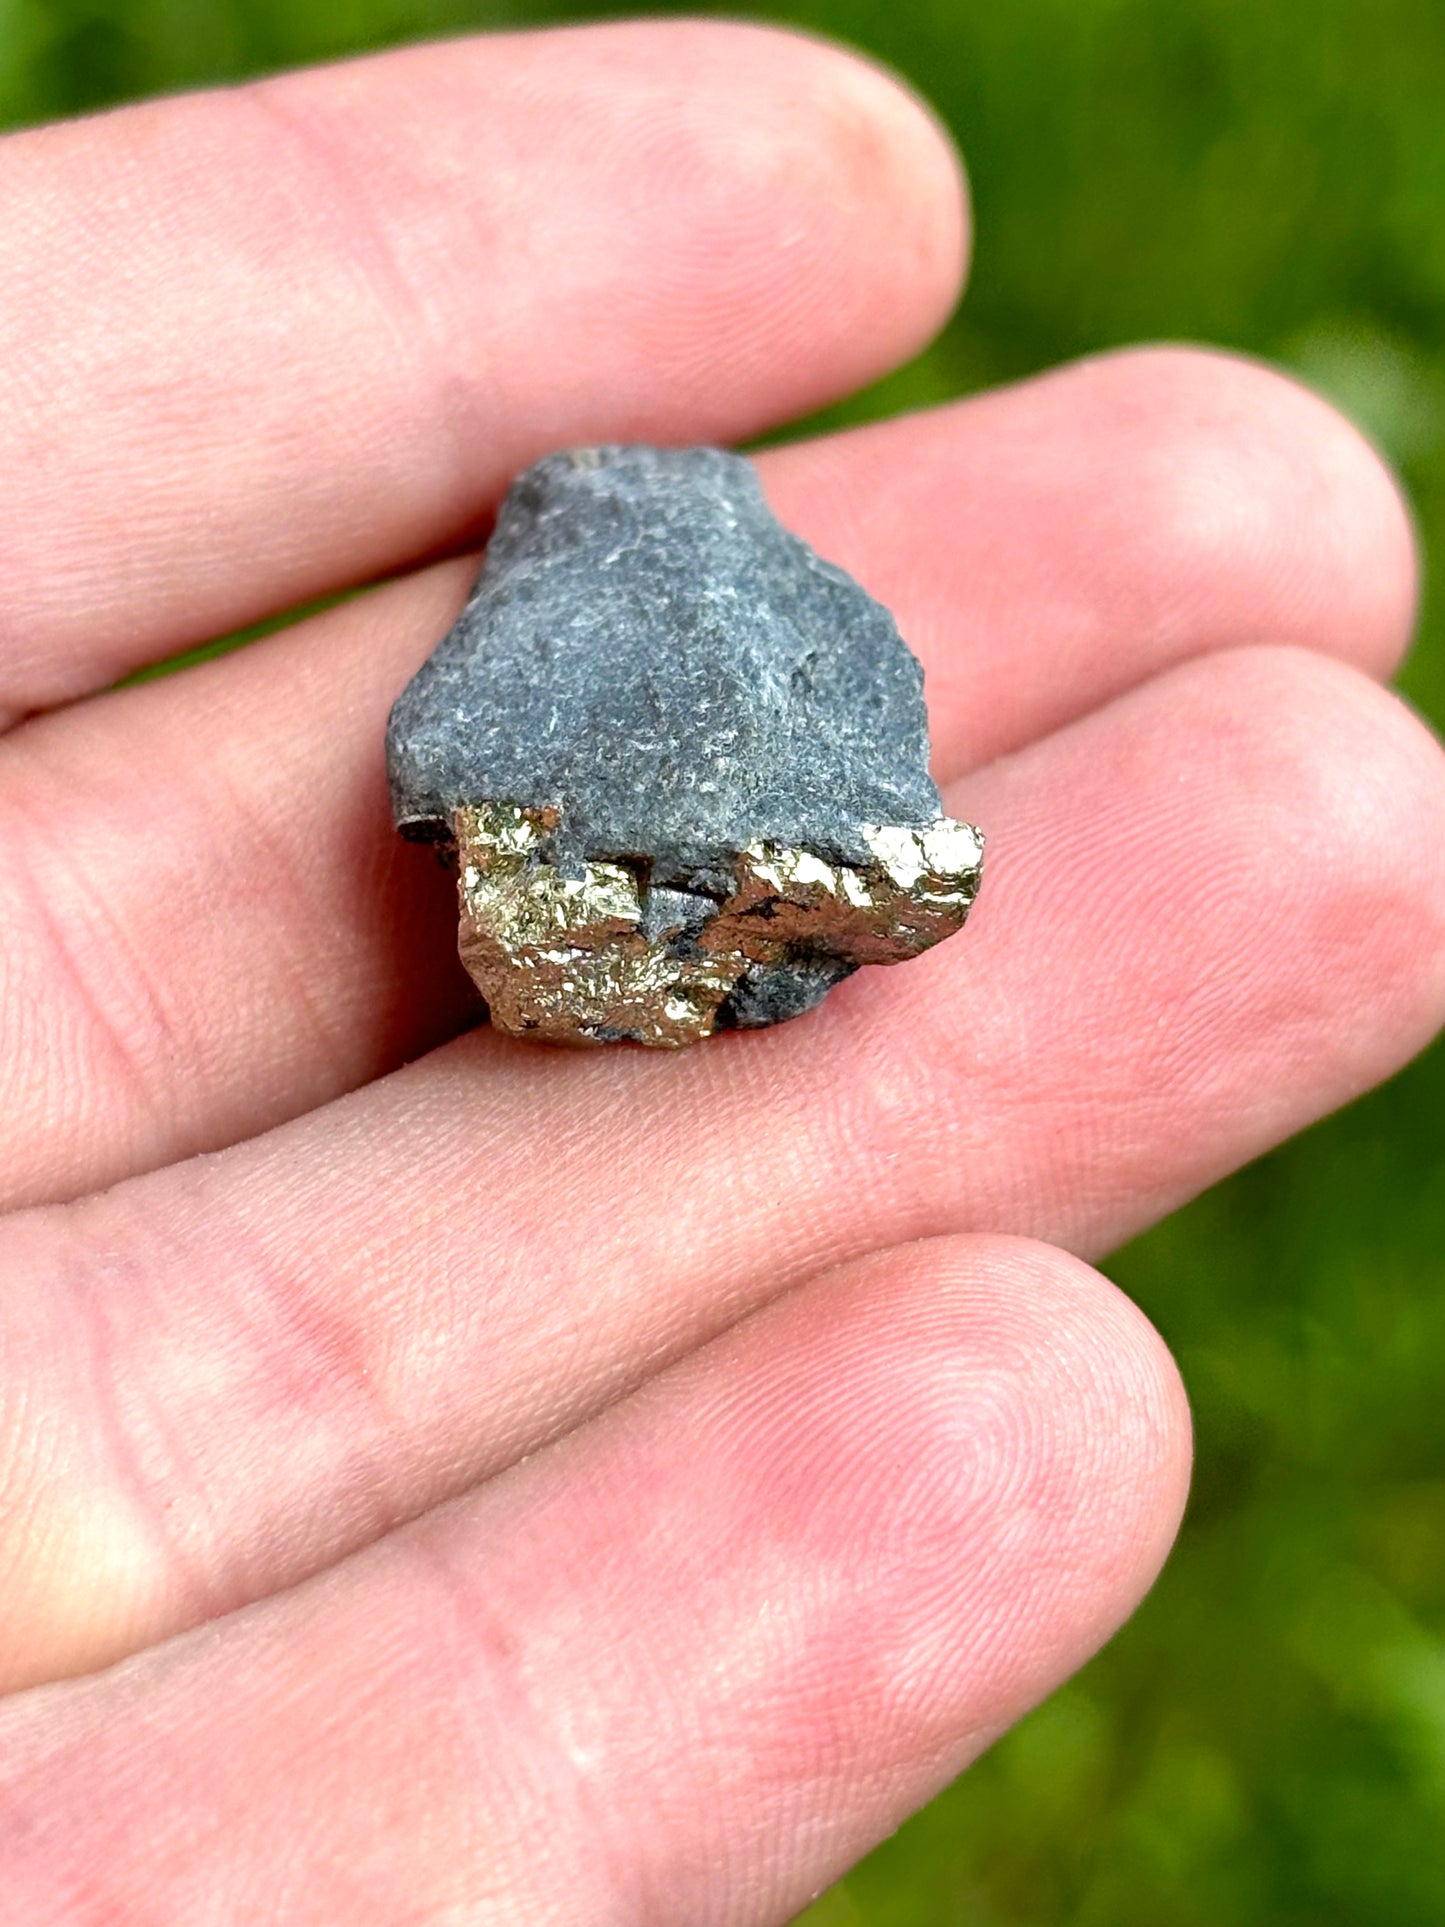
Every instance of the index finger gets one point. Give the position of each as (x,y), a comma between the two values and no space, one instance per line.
(260,344)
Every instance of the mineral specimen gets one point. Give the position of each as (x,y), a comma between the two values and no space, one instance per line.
(682,761)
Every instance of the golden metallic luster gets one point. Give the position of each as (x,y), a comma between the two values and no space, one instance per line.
(566,959)
(563,959)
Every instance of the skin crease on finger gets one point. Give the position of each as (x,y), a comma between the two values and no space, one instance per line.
(1216,910)
(447,260)
(683,1667)
(212,926)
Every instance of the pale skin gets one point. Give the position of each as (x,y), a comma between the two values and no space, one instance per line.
(448,1482)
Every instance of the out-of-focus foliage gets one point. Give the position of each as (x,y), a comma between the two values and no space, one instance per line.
(1265,1745)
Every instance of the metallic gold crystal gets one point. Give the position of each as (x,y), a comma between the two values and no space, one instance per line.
(567,959)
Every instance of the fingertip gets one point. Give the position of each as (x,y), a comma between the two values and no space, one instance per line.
(1361,779)
(905,158)
(989,1443)
(1263,831)
(1262,475)
(871,1525)
(1092,1432)
(848,201)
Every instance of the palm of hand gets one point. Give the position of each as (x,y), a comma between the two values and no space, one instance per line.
(841,1471)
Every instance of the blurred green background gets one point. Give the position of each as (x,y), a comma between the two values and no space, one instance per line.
(1265,1745)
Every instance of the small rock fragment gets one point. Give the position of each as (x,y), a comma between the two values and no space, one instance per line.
(682,761)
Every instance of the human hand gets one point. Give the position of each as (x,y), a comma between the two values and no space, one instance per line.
(830,1470)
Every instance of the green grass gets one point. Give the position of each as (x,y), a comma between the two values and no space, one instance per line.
(1265,1745)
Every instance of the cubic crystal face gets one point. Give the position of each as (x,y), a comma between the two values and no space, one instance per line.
(682,760)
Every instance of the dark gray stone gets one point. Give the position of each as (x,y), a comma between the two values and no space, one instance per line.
(772,993)
(651,652)
(648,652)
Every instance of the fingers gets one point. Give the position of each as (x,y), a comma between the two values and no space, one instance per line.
(213,927)
(1079,532)
(217,400)
(684,1667)
(1216,909)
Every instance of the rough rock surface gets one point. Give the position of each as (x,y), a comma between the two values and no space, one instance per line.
(656,706)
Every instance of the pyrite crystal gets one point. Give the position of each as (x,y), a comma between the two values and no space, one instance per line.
(682,761)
